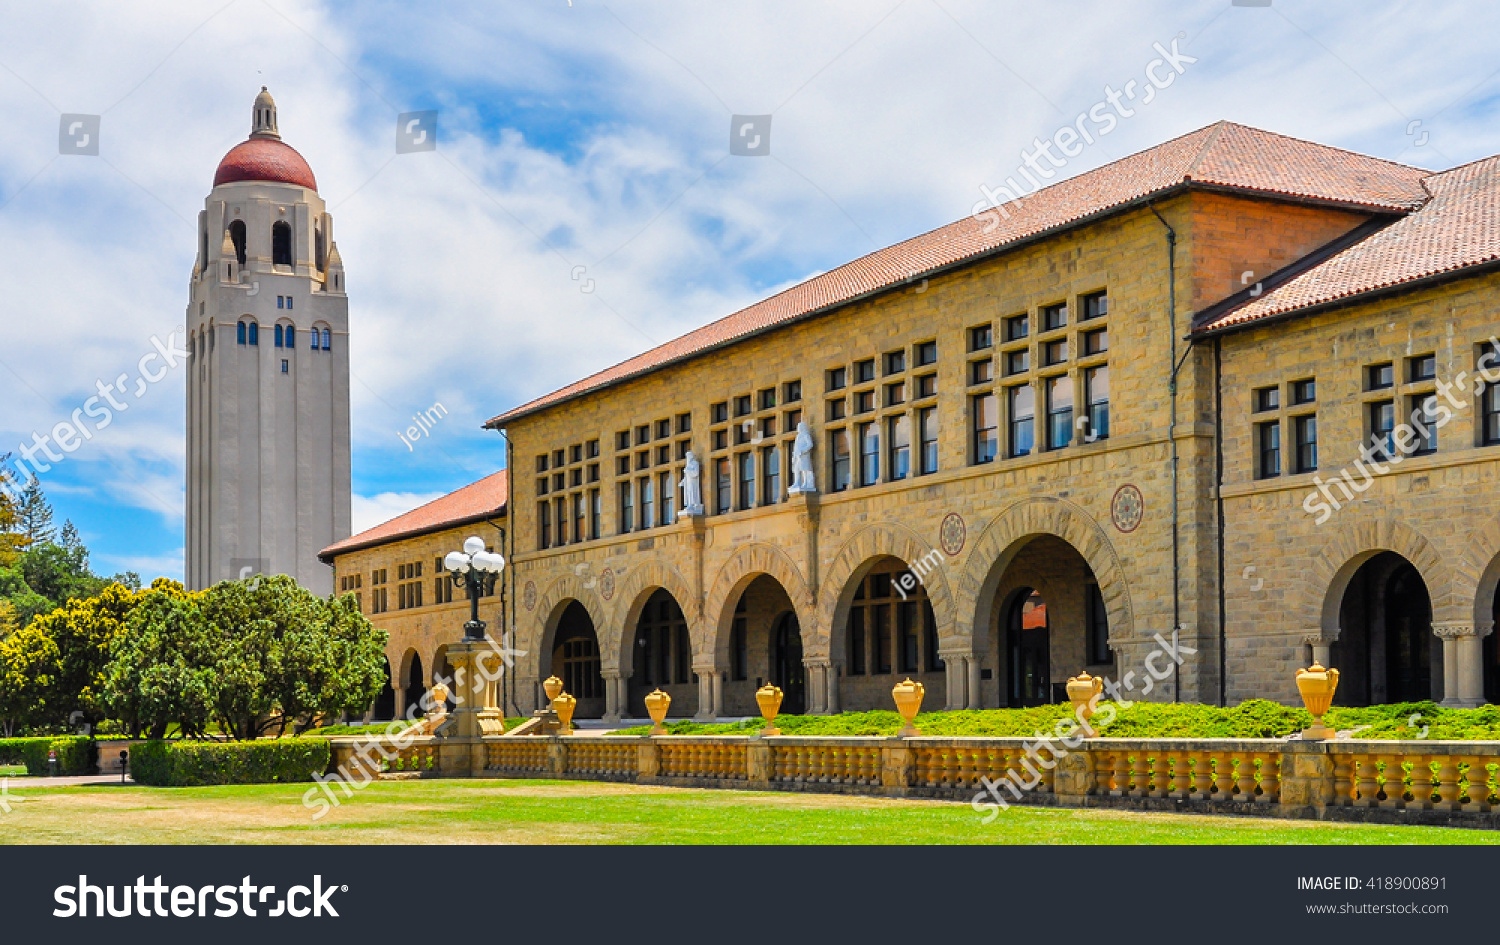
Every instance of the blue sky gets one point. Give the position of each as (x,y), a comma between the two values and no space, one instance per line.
(591,135)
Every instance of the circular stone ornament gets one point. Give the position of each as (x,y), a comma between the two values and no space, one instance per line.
(952,534)
(1127,508)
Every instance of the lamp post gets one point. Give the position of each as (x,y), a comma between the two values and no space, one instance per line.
(471,568)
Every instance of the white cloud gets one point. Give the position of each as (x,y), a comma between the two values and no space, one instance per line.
(370,511)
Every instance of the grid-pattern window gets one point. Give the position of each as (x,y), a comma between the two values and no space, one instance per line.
(648,501)
(442,584)
(765,429)
(892,408)
(379,603)
(650,460)
(891,627)
(560,470)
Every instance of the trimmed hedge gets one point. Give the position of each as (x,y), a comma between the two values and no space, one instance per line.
(193,763)
(75,753)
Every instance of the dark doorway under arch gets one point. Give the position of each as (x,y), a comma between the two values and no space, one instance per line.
(1386,651)
(415,687)
(575,660)
(384,708)
(1028,650)
(787,670)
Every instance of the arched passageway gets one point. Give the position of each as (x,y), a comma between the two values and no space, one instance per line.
(574,658)
(662,658)
(1386,651)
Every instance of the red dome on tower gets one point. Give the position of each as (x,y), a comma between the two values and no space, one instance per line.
(264,156)
(265,159)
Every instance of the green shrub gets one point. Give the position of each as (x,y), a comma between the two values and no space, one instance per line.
(192,763)
(75,753)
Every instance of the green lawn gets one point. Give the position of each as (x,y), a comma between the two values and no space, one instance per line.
(498,811)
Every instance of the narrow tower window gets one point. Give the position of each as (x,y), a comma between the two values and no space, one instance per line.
(237,237)
(281,244)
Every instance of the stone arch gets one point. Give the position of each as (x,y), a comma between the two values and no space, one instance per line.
(863,551)
(404,675)
(1351,547)
(745,565)
(1476,577)
(640,582)
(549,610)
(1003,537)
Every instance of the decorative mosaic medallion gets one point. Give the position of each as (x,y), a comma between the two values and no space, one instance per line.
(951,535)
(1127,508)
(528,595)
(607,584)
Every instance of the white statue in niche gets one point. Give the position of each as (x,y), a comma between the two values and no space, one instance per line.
(802,466)
(692,488)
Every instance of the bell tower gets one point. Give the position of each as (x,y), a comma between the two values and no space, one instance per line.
(268,467)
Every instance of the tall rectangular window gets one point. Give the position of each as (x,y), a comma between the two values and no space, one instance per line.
(899,438)
(723,487)
(770,463)
(1022,420)
(1096,393)
(986,419)
(1489,404)
(869,454)
(1423,411)
(1305,429)
(881,616)
(1098,628)
(1382,422)
(648,502)
(1059,411)
(668,495)
(580,520)
(746,463)
(857,641)
(560,516)
(927,430)
(544,524)
(596,512)
(838,462)
(1268,442)
(627,506)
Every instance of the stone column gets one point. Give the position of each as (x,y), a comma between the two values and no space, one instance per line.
(832,674)
(706,708)
(614,690)
(816,684)
(1463,662)
(1322,644)
(956,678)
(718,694)
(973,701)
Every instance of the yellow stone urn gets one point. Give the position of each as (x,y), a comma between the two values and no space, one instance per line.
(657,704)
(908,696)
(1081,692)
(1317,686)
(768,697)
(565,704)
(552,686)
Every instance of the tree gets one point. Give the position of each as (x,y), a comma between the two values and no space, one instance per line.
(29,660)
(81,633)
(162,667)
(59,573)
(12,541)
(35,513)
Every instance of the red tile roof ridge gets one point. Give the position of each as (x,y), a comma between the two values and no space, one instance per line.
(473,502)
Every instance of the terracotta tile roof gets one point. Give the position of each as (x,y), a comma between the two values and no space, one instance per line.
(1458,229)
(1221,155)
(474,502)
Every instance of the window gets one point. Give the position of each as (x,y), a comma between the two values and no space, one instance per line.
(1017,362)
(1422,368)
(790,420)
(1268,441)
(254,334)
(864,370)
(981,337)
(580,520)
(767,427)
(719,413)
(986,417)
(1095,305)
(837,379)
(722,487)
(869,454)
(327,338)
(648,502)
(663,430)
(1379,376)
(1423,410)
(560,515)
(899,438)
(544,525)
(1382,423)
(791,392)
(770,465)
(279,334)
(926,353)
(237,237)
(895,362)
(927,386)
(596,512)
(1305,429)
(838,462)
(720,439)
(1098,628)
(1022,420)
(927,431)
(627,507)
(1267,398)
(281,301)
(1054,316)
(836,409)
(1059,411)
(1096,342)
(1096,395)
(1304,392)
(746,462)
(857,634)
(642,435)
(768,399)
(981,372)
(1489,400)
(864,401)
(742,405)
(286,366)
(739,646)
(1055,352)
(895,394)
(281,244)
(1017,327)
(622,439)
(908,626)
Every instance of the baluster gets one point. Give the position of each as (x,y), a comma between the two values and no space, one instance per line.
(966,776)
(1203,778)
(1245,780)
(1345,784)
(1392,780)
(1270,778)
(1223,776)
(1121,785)
(1478,781)
(1157,762)
(1447,788)
(1140,774)
(1368,784)
(1422,783)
